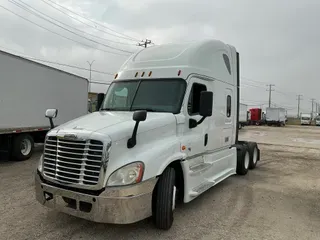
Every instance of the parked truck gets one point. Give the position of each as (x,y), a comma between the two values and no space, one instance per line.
(255,116)
(275,116)
(317,120)
(166,131)
(305,118)
(243,115)
(27,89)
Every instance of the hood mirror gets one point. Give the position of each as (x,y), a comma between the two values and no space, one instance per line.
(51,113)
(138,116)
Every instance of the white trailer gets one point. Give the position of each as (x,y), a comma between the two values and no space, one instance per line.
(275,116)
(243,115)
(166,131)
(305,118)
(27,89)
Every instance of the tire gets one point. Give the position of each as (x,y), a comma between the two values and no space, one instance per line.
(164,200)
(23,146)
(253,154)
(243,160)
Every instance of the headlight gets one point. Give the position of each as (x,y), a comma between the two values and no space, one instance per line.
(126,175)
(40,164)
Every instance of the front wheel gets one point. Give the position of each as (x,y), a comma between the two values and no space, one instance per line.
(164,200)
(23,146)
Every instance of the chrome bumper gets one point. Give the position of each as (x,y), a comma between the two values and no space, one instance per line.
(118,205)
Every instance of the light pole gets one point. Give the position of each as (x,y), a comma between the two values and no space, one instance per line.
(90,64)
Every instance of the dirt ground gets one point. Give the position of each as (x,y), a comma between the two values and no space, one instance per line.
(280,199)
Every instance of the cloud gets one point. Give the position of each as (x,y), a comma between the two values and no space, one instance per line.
(277,39)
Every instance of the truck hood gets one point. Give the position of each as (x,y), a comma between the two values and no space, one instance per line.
(116,125)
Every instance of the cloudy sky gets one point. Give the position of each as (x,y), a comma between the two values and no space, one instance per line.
(278,40)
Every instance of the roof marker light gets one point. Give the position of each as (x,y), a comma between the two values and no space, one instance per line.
(142,74)
(136,74)
(179,72)
(150,73)
(115,77)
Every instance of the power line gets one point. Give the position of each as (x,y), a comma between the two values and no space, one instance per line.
(84,32)
(270,90)
(299,99)
(56,63)
(254,81)
(89,39)
(70,39)
(312,101)
(126,37)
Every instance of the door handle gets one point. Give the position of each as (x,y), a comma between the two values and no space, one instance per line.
(205,139)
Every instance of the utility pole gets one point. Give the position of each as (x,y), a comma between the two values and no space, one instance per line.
(144,43)
(299,99)
(270,90)
(90,64)
(312,101)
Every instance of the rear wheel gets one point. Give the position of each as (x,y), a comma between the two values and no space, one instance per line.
(253,153)
(23,146)
(164,200)
(243,160)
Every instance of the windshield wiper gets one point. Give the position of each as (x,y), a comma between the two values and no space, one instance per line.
(147,109)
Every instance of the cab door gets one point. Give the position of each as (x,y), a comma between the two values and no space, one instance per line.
(196,141)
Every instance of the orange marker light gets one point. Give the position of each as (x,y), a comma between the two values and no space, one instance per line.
(179,72)
(115,77)
(136,74)
(150,73)
(183,148)
(142,74)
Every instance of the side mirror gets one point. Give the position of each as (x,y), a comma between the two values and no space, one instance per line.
(138,116)
(51,113)
(205,108)
(100,98)
(206,103)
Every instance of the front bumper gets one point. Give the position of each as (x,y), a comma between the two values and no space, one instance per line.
(118,205)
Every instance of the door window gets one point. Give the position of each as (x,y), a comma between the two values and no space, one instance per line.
(194,98)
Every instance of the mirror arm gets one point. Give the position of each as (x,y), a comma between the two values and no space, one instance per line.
(201,120)
(133,140)
(51,123)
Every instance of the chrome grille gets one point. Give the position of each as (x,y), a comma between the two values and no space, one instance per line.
(73,161)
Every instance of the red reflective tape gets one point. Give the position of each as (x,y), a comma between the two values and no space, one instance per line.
(17,131)
(40,129)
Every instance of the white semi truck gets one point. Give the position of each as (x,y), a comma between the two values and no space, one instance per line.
(275,116)
(27,88)
(243,115)
(166,131)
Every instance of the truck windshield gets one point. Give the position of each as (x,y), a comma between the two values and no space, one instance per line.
(305,118)
(154,95)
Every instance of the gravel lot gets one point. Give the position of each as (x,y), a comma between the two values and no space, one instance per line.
(280,199)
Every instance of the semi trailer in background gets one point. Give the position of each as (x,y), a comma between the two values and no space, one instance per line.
(275,116)
(243,115)
(27,89)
